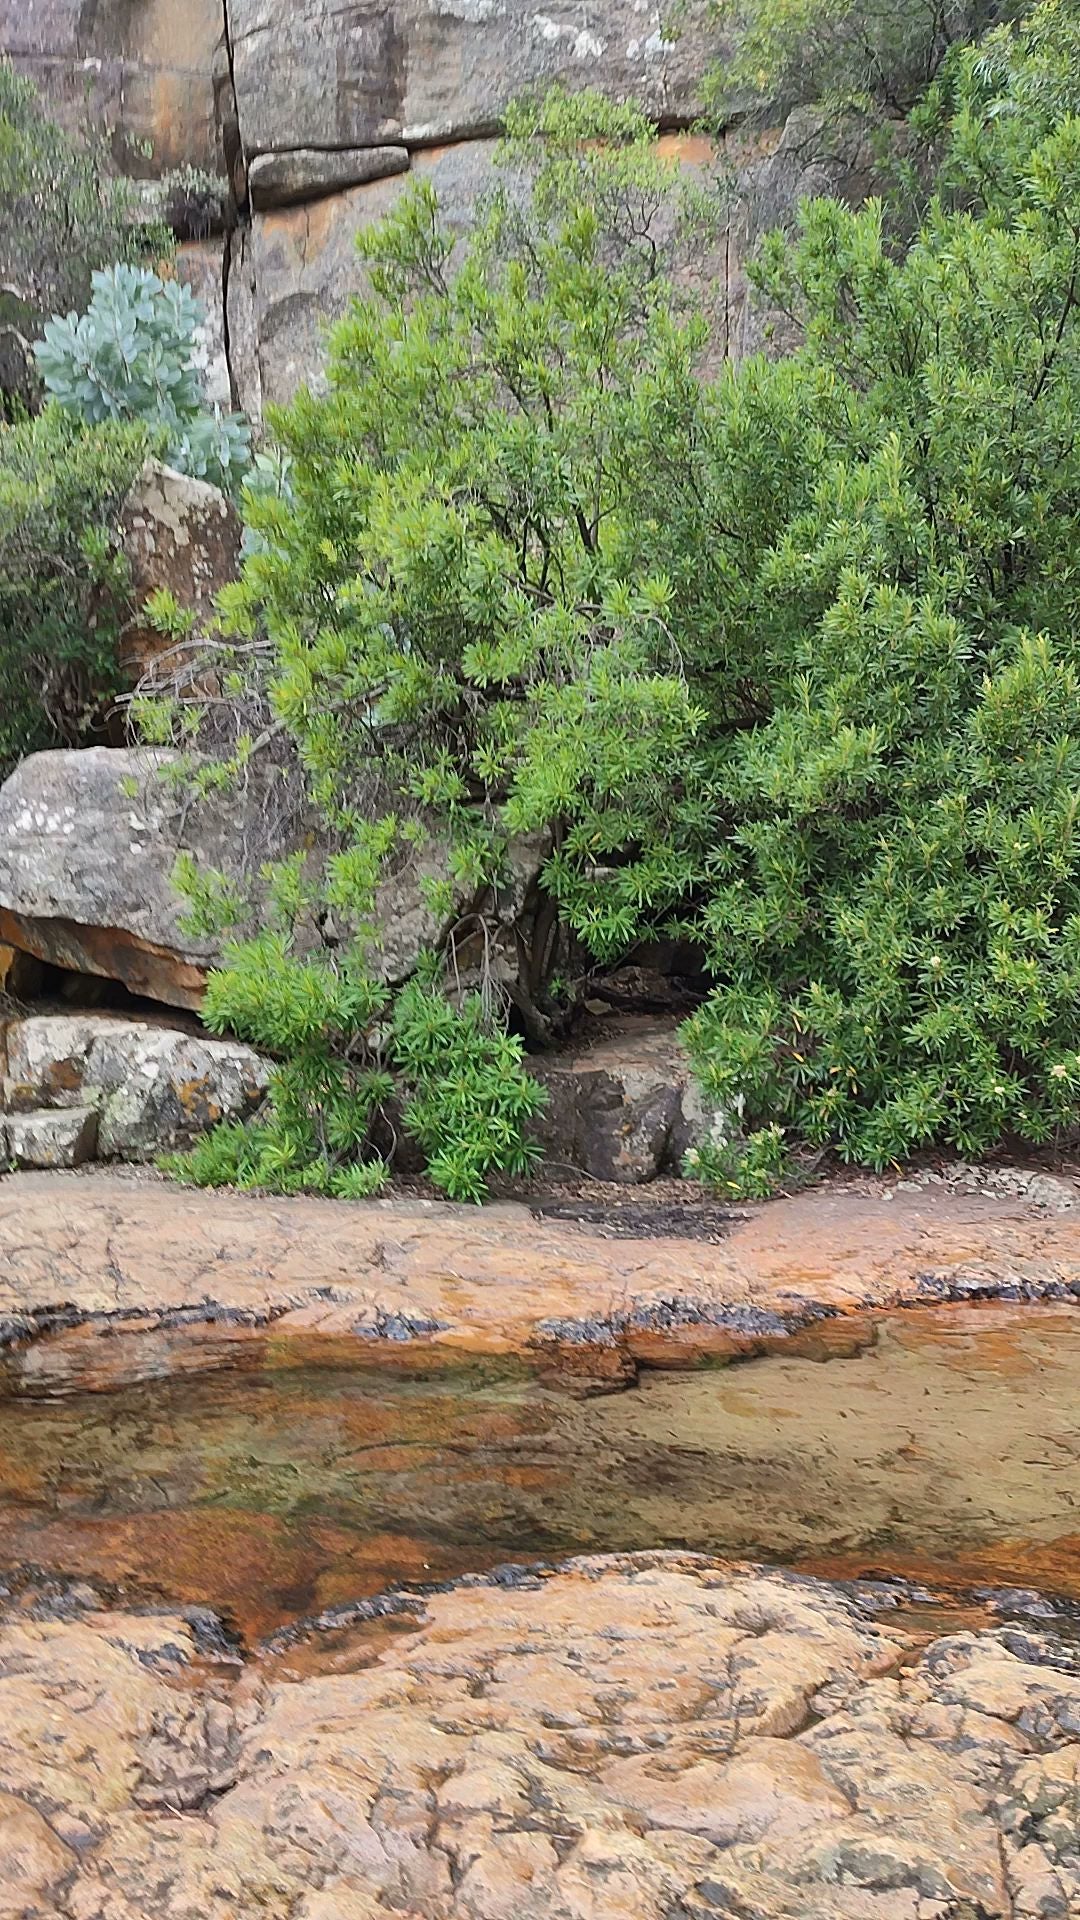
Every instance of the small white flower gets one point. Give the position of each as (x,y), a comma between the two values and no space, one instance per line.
(1059,1072)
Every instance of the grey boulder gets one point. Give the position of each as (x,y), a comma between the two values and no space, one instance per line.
(151,1087)
(88,842)
(411,72)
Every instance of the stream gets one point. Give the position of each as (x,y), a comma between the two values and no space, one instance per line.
(940,1444)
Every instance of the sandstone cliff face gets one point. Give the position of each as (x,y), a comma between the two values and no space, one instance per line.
(150,72)
(316,113)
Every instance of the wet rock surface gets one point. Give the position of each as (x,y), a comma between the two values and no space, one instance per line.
(649,1736)
(106,1279)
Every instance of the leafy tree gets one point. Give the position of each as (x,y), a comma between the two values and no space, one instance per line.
(464,593)
(62,579)
(131,356)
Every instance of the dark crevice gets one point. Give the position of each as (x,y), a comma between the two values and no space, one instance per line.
(236,163)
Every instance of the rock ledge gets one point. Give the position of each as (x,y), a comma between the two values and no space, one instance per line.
(645,1736)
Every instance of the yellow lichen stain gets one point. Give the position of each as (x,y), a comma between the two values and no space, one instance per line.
(194,1098)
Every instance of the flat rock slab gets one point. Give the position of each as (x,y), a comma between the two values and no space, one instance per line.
(641,1736)
(106,1280)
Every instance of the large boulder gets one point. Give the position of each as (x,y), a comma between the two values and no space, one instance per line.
(179,534)
(88,842)
(296,268)
(146,73)
(413,72)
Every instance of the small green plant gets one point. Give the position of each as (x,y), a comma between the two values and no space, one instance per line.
(746,1167)
(131,356)
(350,1062)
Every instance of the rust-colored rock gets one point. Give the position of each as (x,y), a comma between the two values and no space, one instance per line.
(151,1280)
(634,1737)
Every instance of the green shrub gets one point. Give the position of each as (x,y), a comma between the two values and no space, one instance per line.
(131,356)
(347,1061)
(847,58)
(786,662)
(453,633)
(62,579)
(894,911)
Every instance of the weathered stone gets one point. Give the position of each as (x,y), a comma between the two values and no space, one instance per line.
(155,1088)
(144,73)
(642,1735)
(179,534)
(88,841)
(46,1057)
(34,1860)
(323,75)
(303,267)
(200,264)
(55,1138)
(242,312)
(626,1108)
(280,179)
(401,1279)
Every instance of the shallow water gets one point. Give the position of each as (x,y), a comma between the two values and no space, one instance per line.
(946,1447)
